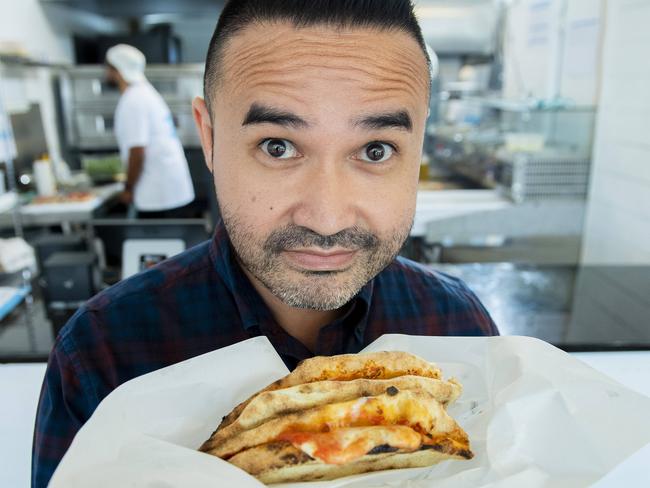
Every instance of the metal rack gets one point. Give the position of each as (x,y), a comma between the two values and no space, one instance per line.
(530,176)
(89,103)
(559,168)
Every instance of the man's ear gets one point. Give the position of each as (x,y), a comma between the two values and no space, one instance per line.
(204,126)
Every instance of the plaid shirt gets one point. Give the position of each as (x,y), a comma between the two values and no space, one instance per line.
(200,301)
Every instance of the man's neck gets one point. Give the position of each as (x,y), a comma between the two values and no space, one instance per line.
(302,324)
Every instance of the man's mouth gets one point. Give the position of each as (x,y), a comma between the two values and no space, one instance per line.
(320,259)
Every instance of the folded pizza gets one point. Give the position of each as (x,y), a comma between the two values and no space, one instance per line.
(341,415)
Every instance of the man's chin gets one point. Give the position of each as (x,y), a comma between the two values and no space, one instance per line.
(315,290)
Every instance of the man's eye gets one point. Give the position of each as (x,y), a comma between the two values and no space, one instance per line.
(376,152)
(278,148)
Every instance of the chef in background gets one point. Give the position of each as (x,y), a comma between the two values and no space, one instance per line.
(158,179)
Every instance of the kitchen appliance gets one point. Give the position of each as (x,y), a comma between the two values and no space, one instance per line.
(71,277)
(48,244)
(142,254)
(68,275)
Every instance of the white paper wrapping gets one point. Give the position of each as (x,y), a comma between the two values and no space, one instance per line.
(535,416)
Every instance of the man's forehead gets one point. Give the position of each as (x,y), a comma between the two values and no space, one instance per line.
(278,57)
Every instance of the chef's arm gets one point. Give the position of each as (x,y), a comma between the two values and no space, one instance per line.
(134,170)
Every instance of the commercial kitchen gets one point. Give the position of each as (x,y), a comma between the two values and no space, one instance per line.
(534,183)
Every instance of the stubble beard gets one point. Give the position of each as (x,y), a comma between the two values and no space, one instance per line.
(315,290)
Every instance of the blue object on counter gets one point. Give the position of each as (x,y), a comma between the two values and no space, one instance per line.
(9,303)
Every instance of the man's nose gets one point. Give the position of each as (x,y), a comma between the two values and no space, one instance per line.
(327,200)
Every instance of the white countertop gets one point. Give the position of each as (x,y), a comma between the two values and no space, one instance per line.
(434,205)
(20,386)
(100,194)
(49,213)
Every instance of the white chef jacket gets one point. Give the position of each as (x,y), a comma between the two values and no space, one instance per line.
(142,118)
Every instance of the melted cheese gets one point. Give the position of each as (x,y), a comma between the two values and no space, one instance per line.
(402,409)
(341,432)
(345,445)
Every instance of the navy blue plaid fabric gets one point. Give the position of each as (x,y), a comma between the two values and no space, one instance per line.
(200,301)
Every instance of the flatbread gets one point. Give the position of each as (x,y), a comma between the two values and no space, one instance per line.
(274,403)
(417,409)
(347,367)
(342,415)
(281,462)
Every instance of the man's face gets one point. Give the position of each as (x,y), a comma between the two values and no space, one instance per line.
(317,139)
(111,75)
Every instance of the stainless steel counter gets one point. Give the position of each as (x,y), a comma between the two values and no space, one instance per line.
(59,213)
(590,308)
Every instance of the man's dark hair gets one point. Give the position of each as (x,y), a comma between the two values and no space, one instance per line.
(237,14)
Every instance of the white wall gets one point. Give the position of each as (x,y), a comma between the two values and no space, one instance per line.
(617,226)
(552,49)
(531,49)
(583,26)
(23,24)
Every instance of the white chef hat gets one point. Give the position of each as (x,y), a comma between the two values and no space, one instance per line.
(129,61)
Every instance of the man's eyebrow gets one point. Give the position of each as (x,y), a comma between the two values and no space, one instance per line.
(388,120)
(263,114)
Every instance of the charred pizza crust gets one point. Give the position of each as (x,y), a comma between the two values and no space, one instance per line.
(281,462)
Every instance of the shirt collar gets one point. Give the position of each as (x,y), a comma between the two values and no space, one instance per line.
(252,308)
